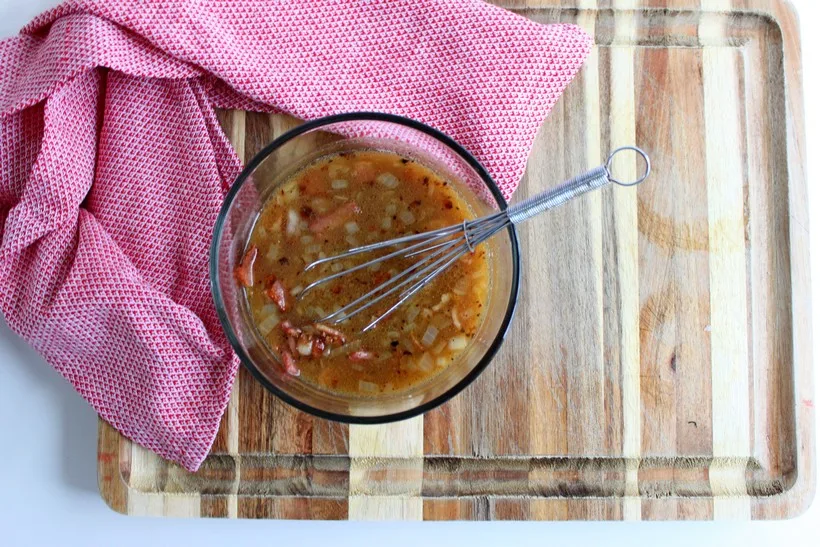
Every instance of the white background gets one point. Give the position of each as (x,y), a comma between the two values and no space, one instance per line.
(48,454)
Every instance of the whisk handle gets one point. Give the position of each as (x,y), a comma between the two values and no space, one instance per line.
(555,197)
(571,189)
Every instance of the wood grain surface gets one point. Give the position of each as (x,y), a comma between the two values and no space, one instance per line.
(659,366)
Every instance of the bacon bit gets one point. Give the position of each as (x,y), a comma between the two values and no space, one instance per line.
(306,212)
(318,348)
(244,272)
(332,335)
(361,356)
(334,218)
(292,344)
(290,364)
(288,328)
(276,292)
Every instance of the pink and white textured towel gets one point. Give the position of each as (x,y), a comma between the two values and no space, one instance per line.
(113,166)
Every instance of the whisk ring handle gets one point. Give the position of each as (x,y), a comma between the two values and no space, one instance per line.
(587,182)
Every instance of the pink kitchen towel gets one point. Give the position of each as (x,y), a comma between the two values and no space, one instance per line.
(113,166)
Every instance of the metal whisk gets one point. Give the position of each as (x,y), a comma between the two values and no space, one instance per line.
(441,248)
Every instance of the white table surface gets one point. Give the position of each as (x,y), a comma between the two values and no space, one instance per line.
(48,462)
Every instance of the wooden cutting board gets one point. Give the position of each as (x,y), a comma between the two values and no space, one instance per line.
(659,366)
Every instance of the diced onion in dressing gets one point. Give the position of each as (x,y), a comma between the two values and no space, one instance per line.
(412,312)
(296,290)
(267,324)
(425,363)
(388,180)
(305,239)
(338,184)
(457,343)
(387,223)
(321,205)
(351,227)
(429,336)
(441,361)
(441,346)
(312,249)
(293,222)
(368,387)
(390,209)
(273,252)
(454,315)
(352,241)
(304,348)
(407,217)
(337,267)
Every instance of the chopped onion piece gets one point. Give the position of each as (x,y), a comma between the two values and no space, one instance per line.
(337,267)
(296,290)
(305,239)
(387,223)
(440,347)
(273,252)
(375,267)
(388,180)
(391,209)
(454,315)
(304,347)
(412,312)
(441,361)
(407,217)
(320,205)
(351,227)
(393,335)
(441,321)
(312,249)
(429,336)
(458,343)
(293,222)
(352,241)
(357,367)
(338,184)
(407,344)
(368,387)
(303,225)
(266,325)
(425,363)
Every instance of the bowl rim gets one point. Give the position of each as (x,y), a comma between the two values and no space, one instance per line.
(219,303)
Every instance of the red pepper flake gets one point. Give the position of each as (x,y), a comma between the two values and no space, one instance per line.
(276,292)
(290,364)
(361,355)
(244,272)
(448,204)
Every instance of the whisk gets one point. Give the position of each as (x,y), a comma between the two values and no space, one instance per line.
(439,249)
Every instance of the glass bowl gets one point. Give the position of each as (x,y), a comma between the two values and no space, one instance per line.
(276,163)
